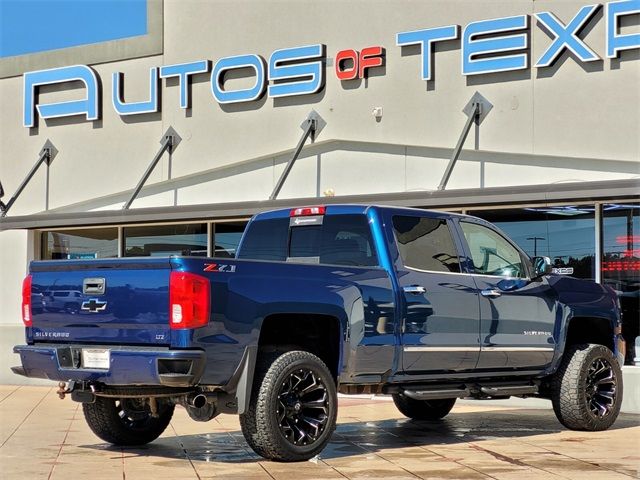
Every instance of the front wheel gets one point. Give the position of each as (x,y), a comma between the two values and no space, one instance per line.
(586,391)
(126,421)
(423,409)
(293,407)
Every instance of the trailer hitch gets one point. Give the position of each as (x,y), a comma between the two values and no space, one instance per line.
(63,390)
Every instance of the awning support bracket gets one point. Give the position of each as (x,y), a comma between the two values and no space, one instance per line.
(46,155)
(476,110)
(169,141)
(311,127)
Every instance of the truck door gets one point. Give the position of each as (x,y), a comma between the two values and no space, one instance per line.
(517,315)
(440,324)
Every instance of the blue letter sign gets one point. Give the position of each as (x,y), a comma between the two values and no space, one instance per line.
(472,47)
(134,108)
(301,77)
(87,106)
(616,42)
(566,36)
(426,39)
(183,71)
(254,62)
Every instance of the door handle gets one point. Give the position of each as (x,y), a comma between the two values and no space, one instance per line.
(93,286)
(414,289)
(490,292)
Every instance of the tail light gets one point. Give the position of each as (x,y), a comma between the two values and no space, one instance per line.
(189,300)
(26,301)
(307,211)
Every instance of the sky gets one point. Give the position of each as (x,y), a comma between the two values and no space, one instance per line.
(31,26)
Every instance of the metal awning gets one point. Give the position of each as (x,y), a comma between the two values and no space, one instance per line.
(438,199)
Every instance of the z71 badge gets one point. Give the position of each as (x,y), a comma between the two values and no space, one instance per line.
(217,267)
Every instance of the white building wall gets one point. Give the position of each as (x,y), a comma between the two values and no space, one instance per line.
(570,110)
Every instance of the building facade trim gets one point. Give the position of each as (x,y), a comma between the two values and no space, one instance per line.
(449,199)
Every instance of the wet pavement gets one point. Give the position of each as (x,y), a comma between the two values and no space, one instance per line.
(44,437)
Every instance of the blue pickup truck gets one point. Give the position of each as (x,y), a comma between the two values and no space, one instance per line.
(425,306)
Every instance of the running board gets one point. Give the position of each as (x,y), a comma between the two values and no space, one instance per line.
(477,391)
(506,391)
(436,394)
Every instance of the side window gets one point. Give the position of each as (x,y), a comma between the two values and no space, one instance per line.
(491,253)
(426,244)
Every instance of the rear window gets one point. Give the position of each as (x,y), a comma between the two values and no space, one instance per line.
(339,240)
(266,240)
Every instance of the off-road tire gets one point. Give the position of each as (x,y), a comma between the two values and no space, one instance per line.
(261,425)
(423,409)
(103,417)
(570,384)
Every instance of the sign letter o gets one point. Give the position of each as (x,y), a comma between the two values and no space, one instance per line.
(343,72)
(225,64)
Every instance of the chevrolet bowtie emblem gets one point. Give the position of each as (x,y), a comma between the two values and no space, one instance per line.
(93,305)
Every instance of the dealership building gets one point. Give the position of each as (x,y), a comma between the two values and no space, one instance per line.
(154,128)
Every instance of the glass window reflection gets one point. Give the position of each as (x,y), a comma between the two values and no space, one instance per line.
(227,237)
(165,240)
(565,234)
(86,243)
(621,265)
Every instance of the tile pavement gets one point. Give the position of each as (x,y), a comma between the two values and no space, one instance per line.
(42,437)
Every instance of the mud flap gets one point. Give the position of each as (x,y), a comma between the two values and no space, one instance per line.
(243,380)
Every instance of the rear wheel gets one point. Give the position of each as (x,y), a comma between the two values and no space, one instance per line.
(423,409)
(126,421)
(586,391)
(293,407)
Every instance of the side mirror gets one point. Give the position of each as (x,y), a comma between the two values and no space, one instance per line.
(541,266)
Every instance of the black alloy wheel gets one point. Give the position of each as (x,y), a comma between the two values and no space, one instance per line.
(601,387)
(293,406)
(586,391)
(133,412)
(303,407)
(127,421)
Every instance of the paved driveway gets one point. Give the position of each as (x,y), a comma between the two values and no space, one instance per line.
(44,437)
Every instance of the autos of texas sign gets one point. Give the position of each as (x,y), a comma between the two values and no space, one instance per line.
(487,46)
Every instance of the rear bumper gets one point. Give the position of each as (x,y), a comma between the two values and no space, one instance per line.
(127,366)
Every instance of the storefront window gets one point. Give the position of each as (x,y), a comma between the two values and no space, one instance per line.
(564,234)
(621,265)
(165,240)
(227,237)
(79,244)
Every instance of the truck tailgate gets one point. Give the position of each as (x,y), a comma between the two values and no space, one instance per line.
(101,301)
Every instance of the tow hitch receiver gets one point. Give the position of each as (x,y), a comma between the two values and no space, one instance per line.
(63,390)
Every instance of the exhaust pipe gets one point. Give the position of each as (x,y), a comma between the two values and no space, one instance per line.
(199,407)
(197,401)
